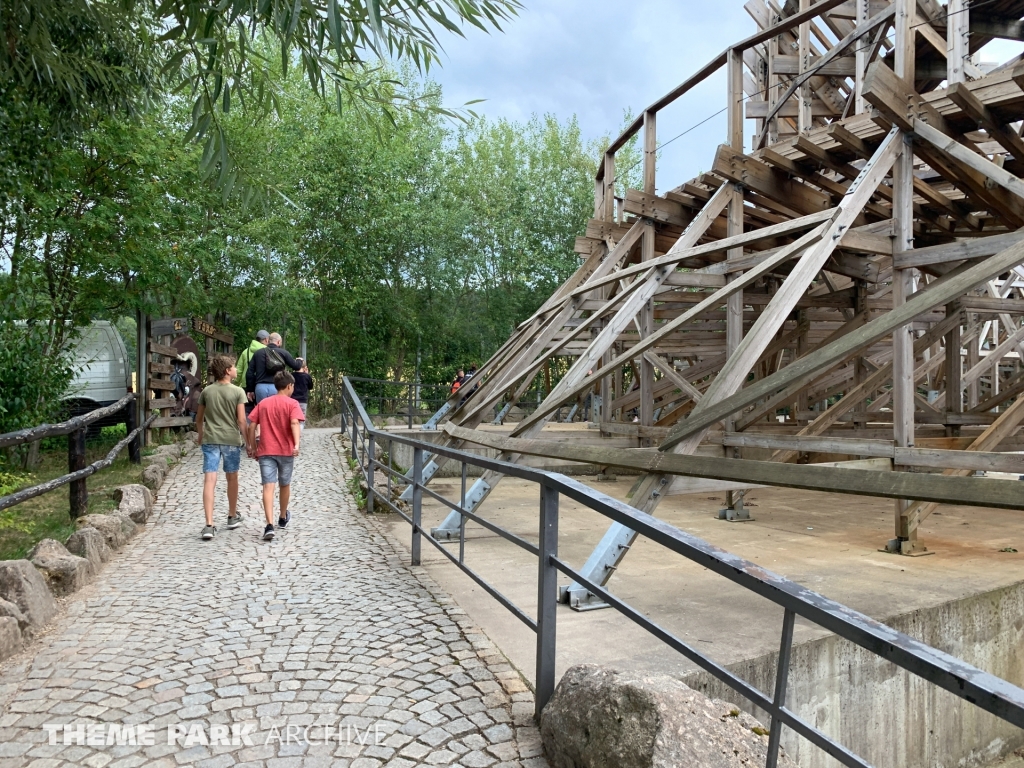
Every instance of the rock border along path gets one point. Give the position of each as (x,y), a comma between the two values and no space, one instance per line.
(321,648)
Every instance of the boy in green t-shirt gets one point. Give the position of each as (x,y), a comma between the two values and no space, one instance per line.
(220,425)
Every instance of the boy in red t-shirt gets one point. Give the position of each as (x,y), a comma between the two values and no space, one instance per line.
(277,447)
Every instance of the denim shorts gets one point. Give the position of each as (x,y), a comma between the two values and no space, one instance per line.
(211,457)
(263,391)
(277,469)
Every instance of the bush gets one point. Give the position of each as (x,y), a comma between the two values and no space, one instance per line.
(33,378)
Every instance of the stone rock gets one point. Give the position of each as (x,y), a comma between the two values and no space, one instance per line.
(136,501)
(394,421)
(64,572)
(10,637)
(599,718)
(171,451)
(22,584)
(192,438)
(9,610)
(128,526)
(109,526)
(153,476)
(89,543)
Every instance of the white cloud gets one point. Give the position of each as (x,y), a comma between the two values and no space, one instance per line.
(598,58)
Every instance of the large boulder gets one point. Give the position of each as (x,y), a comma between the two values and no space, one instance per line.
(600,718)
(9,610)
(128,526)
(64,572)
(10,637)
(89,543)
(22,584)
(153,475)
(109,525)
(136,501)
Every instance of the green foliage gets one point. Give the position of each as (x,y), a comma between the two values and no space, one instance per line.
(48,516)
(34,374)
(398,237)
(11,481)
(81,60)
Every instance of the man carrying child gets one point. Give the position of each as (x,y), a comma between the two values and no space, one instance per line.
(277,447)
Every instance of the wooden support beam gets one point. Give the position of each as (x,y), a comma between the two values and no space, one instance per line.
(1000,494)
(959,251)
(938,294)
(650,151)
(1001,428)
(899,104)
(973,107)
(770,182)
(972,160)
(714,300)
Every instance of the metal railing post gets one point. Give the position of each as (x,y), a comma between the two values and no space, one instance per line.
(344,409)
(410,406)
(371,453)
(355,436)
(417,502)
(781,677)
(462,518)
(547,597)
(78,492)
(391,465)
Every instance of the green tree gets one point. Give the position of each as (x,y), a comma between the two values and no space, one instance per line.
(82,58)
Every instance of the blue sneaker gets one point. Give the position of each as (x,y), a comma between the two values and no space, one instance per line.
(268,533)
(282,522)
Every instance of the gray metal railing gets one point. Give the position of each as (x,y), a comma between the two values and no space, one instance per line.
(986,691)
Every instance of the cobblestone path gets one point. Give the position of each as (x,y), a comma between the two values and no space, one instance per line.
(321,648)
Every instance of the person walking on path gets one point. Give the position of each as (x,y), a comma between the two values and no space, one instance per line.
(303,385)
(278,446)
(246,355)
(220,426)
(265,364)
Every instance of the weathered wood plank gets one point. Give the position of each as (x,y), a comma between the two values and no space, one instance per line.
(940,293)
(1001,494)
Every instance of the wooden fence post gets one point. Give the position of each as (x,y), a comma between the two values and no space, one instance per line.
(78,493)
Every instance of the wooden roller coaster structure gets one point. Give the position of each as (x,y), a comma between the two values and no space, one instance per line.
(848,281)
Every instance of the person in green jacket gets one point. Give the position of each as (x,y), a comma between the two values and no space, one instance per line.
(261,340)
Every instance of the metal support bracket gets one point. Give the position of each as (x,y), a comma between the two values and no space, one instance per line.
(502,413)
(735,512)
(599,568)
(432,421)
(428,472)
(449,527)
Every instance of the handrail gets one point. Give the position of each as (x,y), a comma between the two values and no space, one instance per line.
(25,494)
(32,434)
(713,66)
(966,681)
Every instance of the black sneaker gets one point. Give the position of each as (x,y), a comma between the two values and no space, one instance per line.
(208,532)
(282,522)
(234,521)
(268,533)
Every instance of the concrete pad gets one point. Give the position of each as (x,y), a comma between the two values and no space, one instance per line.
(827,542)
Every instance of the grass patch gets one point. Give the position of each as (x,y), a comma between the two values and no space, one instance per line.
(49,516)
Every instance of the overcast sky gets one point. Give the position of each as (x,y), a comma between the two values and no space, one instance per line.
(598,58)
